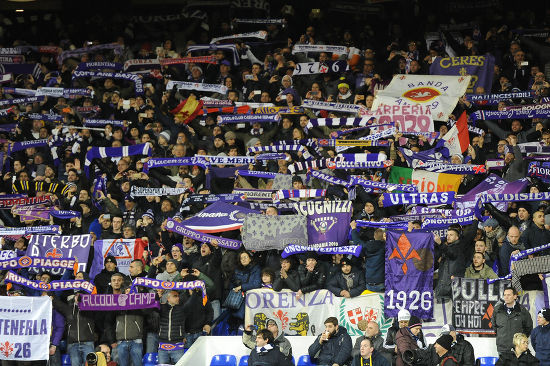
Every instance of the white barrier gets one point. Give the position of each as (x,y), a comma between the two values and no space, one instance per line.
(205,348)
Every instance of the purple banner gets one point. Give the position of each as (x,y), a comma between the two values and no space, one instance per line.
(437,198)
(217,217)
(480,67)
(108,302)
(354,250)
(176,227)
(56,246)
(540,170)
(328,222)
(409,274)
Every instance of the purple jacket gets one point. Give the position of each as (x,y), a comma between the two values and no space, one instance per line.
(58,327)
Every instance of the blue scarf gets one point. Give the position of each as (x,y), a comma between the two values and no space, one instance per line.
(372,186)
(15,101)
(88,122)
(258,174)
(329,178)
(397,225)
(490,99)
(211,198)
(508,197)
(114,152)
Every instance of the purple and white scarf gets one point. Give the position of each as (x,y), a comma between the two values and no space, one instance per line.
(340,50)
(329,178)
(193,160)
(168,285)
(438,167)
(440,223)
(291,249)
(179,228)
(45,117)
(103,65)
(16,101)
(80,51)
(211,198)
(89,122)
(136,191)
(29,230)
(248,118)
(114,152)
(61,285)
(189,85)
(338,122)
(258,174)
(298,193)
(38,262)
(138,81)
(330,106)
(228,160)
(147,63)
(339,164)
(436,198)
(277,148)
(259,34)
(511,114)
(491,99)
(508,197)
(372,186)
(516,257)
(393,225)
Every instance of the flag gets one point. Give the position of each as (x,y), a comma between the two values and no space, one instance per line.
(188,109)
(458,138)
(425,181)
(124,251)
(409,273)
(439,93)
(481,69)
(264,232)
(217,217)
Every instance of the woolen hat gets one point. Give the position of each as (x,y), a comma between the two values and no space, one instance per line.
(414,321)
(545,313)
(403,315)
(445,341)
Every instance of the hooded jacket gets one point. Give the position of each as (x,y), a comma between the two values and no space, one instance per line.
(311,281)
(463,351)
(337,349)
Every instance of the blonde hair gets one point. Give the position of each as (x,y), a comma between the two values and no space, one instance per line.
(518,338)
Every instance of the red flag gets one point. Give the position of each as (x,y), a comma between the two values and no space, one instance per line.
(463,135)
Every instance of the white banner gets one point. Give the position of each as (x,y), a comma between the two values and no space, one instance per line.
(306,316)
(439,93)
(187,85)
(25,327)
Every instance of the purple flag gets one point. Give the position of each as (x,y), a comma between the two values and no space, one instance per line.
(56,246)
(480,67)
(327,222)
(409,273)
(217,217)
(108,302)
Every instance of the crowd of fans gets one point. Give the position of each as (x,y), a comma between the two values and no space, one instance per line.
(263,74)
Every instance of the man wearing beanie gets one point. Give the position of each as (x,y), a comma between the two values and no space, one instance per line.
(409,338)
(442,348)
(461,349)
(348,283)
(540,337)
(522,220)
(103,278)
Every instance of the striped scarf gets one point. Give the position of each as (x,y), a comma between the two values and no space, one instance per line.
(114,152)
(298,193)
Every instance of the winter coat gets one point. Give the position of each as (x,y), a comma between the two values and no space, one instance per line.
(337,349)
(311,281)
(509,358)
(338,283)
(404,341)
(291,282)
(129,325)
(534,237)
(485,273)
(452,264)
(540,339)
(377,342)
(210,265)
(504,254)
(80,324)
(172,323)
(463,351)
(200,315)
(103,279)
(248,278)
(281,341)
(375,261)
(506,325)
(273,357)
(377,360)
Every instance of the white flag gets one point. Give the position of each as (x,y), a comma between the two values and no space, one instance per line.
(438,92)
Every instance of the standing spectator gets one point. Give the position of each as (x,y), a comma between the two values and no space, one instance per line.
(509,318)
(348,283)
(372,333)
(511,245)
(519,354)
(246,277)
(103,278)
(374,252)
(478,268)
(287,277)
(265,354)
(172,327)
(312,275)
(540,337)
(199,321)
(333,346)
(368,355)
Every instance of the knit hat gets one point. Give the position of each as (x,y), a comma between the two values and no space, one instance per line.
(346,261)
(110,259)
(149,213)
(447,329)
(526,205)
(311,255)
(490,222)
(414,321)
(196,67)
(276,321)
(545,313)
(343,85)
(403,315)
(445,341)
(179,246)
(230,135)
(173,261)
(166,135)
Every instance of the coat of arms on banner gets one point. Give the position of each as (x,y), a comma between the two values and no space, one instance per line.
(367,307)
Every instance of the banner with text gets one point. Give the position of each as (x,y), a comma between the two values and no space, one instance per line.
(57,246)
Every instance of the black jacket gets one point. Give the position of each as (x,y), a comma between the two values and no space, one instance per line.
(463,351)
(506,325)
(377,360)
(201,314)
(103,279)
(337,349)
(172,323)
(80,325)
(292,281)
(311,281)
(210,265)
(338,283)
(273,357)
(509,358)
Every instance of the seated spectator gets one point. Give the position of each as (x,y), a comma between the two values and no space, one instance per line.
(402,321)
(347,283)
(372,333)
(333,346)
(461,349)
(409,338)
(287,277)
(265,354)
(442,348)
(279,340)
(519,355)
(368,355)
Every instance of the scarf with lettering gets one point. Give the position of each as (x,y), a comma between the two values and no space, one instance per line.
(272,156)
(308,165)
(531,147)
(319,48)
(136,191)
(508,197)
(228,160)
(343,145)
(437,167)
(211,102)
(15,101)
(171,346)
(491,99)
(306,142)
(229,110)
(102,65)
(329,178)
(436,198)
(188,60)
(338,164)
(346,131)
(495,163)
(291,249)
(60,285)
(258,34)
(211,198)
(114,152)
(147,63)
(363,157)
(539,170)
(338,122)
(180,228)
(168,285)
(8,201)
(440,223)
(138,82)
(189,85)
(393,225)
(29,230)
(249,118)
(89,122)
(516,257)
(510,114)
(214,47)
(298,193)
(193,160)
(45,117)
(330,106)
(280,110)
(39,262)
(117,49)
(472,129)
(372,186)
(255,194)
(276,148)
(413,217)
(258,174)
(9,127)
(259,21)
(94,109)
